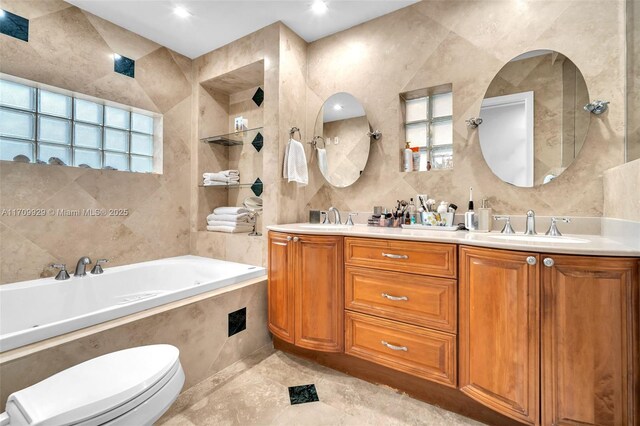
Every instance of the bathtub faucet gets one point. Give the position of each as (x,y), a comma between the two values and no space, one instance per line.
(81,266)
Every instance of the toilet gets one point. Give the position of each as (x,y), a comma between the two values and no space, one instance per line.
(129,387)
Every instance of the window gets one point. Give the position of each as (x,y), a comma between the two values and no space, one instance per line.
(429,126)
(46,125)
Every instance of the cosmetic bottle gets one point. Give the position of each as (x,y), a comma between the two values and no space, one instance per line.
(484,217)
(408,159)
(415,153)
(413,219)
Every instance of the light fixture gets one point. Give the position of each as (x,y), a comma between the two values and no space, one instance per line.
(181,12)
(2,13)
(319,7)
(117,57)
(337,107)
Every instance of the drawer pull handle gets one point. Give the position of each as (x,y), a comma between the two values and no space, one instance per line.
(394,347)
(395,256)
(396,298)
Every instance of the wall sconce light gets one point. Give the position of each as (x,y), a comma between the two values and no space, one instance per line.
(597,107)
(473,122)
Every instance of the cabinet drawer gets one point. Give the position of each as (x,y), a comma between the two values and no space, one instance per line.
(402,256)
(414,350)
(416,299)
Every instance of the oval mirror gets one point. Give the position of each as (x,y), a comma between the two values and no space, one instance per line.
(533,121)
(342,139)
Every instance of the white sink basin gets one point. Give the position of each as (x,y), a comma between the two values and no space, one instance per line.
(539,239)
(321,227)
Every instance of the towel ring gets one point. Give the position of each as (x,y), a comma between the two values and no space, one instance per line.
(293,131)
(314,142)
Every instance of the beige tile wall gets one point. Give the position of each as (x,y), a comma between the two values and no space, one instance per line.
(621,200)
(466,43)
(72,49)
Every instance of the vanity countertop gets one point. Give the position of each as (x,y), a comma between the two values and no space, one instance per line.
(595,245)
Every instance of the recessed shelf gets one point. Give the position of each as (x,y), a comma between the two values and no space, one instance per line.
(236,138)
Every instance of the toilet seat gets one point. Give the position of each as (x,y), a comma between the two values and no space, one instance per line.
(138,383)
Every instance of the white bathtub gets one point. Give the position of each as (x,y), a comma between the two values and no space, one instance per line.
(35,310)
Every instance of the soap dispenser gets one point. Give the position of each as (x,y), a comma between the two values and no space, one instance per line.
(408,157)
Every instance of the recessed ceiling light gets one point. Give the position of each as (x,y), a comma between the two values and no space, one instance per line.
(319,7)
(181,12)
(337,107)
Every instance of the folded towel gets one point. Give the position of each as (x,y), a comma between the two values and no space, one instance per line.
(217,183)
(242,217)
(221,178)
(229,229)
(230,210)
(239,225)
(322,161)
(225,173)
(295,163)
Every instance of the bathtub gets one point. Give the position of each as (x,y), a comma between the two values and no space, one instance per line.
(31,311)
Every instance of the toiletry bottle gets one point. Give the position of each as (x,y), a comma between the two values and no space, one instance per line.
(412,212)
(408,161)
(415,152)
(484,217)
(470,218)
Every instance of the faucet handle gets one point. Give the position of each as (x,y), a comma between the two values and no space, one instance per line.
(97,269)
(62,274)
(349,220)
(508,229)
(553,228)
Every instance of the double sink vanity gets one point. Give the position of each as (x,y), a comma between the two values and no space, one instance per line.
(507,329)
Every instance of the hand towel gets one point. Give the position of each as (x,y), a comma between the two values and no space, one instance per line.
(322,161)
(218,183)
(295,163)
(230,210)
(228,229)
(242,217)
(239,225)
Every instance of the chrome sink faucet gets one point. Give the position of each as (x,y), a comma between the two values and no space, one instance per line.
(336,214)
(81,266)
(531,223)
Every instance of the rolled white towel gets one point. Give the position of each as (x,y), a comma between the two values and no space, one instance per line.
(242,217)
(229,223)
(231,172)
(229,229)
(230,210)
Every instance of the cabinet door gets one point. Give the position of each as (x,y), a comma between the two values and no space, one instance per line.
(499,331)
(280,287)
(590,309)
(319,293)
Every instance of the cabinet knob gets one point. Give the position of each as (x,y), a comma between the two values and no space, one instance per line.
(296,239)
(288,237)
(531,260)
(548,262)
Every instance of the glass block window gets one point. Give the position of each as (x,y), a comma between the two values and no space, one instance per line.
(429,127)
(39,125)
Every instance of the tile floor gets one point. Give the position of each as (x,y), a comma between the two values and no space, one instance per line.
(255,391)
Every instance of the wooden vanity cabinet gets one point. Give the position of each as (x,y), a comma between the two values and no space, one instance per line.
(305,290)
(586,311)
(590,341)
(499,331)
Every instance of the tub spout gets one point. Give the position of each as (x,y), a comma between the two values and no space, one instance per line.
(81,266)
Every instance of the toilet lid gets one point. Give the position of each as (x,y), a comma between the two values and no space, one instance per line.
(95,386)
